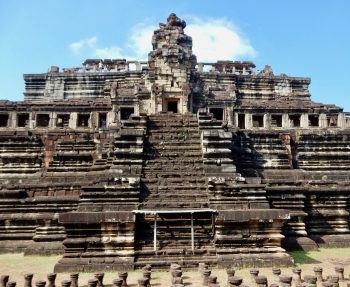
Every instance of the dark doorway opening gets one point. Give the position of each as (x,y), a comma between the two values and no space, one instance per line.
(276,121)
(294,121)
(4,120)
(217,113)
(102,120)
(43,120)
(83,120)
(125,113)
(62,120)
(241,121)
(313,121)
(172,107)
(23,120)
(258,121)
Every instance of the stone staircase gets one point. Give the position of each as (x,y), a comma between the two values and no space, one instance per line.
(173,181)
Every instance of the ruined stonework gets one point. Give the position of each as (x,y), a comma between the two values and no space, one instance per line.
(115,167)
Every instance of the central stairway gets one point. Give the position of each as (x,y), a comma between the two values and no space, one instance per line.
(173,185)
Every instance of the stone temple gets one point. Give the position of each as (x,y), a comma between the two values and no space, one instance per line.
(115,163)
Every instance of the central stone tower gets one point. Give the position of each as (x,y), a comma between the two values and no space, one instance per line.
(171,63)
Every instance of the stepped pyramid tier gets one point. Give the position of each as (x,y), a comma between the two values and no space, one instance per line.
(115,163)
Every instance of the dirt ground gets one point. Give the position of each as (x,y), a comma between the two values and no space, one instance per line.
(16,265)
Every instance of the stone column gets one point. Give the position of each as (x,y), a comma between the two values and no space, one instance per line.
(99,276)
(322,121)
(296,275)
(339,270)
(248,121)
(200,67)
(51,277)
(234,281)
(124,276)
(11,284)
(318,273)
(310,280)
(276,272)
(3,280)
(341,121)
(28,280)
(253,274)
(267,121)
(73,120)
(334,279)
(261,281)
(74,279)
(304,121)
(92,282)
(66,283)
(40,283)
(205,274)
(285,280)
(285,121)
(117,282)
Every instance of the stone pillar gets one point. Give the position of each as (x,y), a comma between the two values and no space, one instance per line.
(322,121)
(253,274)
(137,65)
(341,121)
(28,280)
(73,120)
(267,121)
(53,119)
(66,283)
(334,279)
(339,270)
(117,282)
(310,280)
(99,276)
(234,281)
(124,276)
(205,274)
(11,284)
(285,280)
(142,282)
(304,121)
(296,275)
(212,280)
(248,121)
(261,281)
(32,121)
(230,273)
(40,283)
(92,282)
(12,120)
(318,273)
(3,280)
(285,121)
(74,279)
(200,67)
(202,266)
(276,272)
(51,277)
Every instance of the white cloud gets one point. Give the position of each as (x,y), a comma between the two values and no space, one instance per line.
(77,46)
(218,39)
(140,40)
(213,39)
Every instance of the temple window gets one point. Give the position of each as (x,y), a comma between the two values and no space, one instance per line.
(63,120)
(241,121)
(258,121)
(83,120)
(276,121)
(23,120)
(313,121)
(102,120)
(294,121)
(4,120)
(43,120)
(217,113)
(126,112)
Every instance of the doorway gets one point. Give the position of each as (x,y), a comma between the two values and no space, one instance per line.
(172,106)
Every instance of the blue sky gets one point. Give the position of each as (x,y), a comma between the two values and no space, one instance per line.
(298,38)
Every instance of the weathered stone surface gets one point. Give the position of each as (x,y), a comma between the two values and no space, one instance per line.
(116,167)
